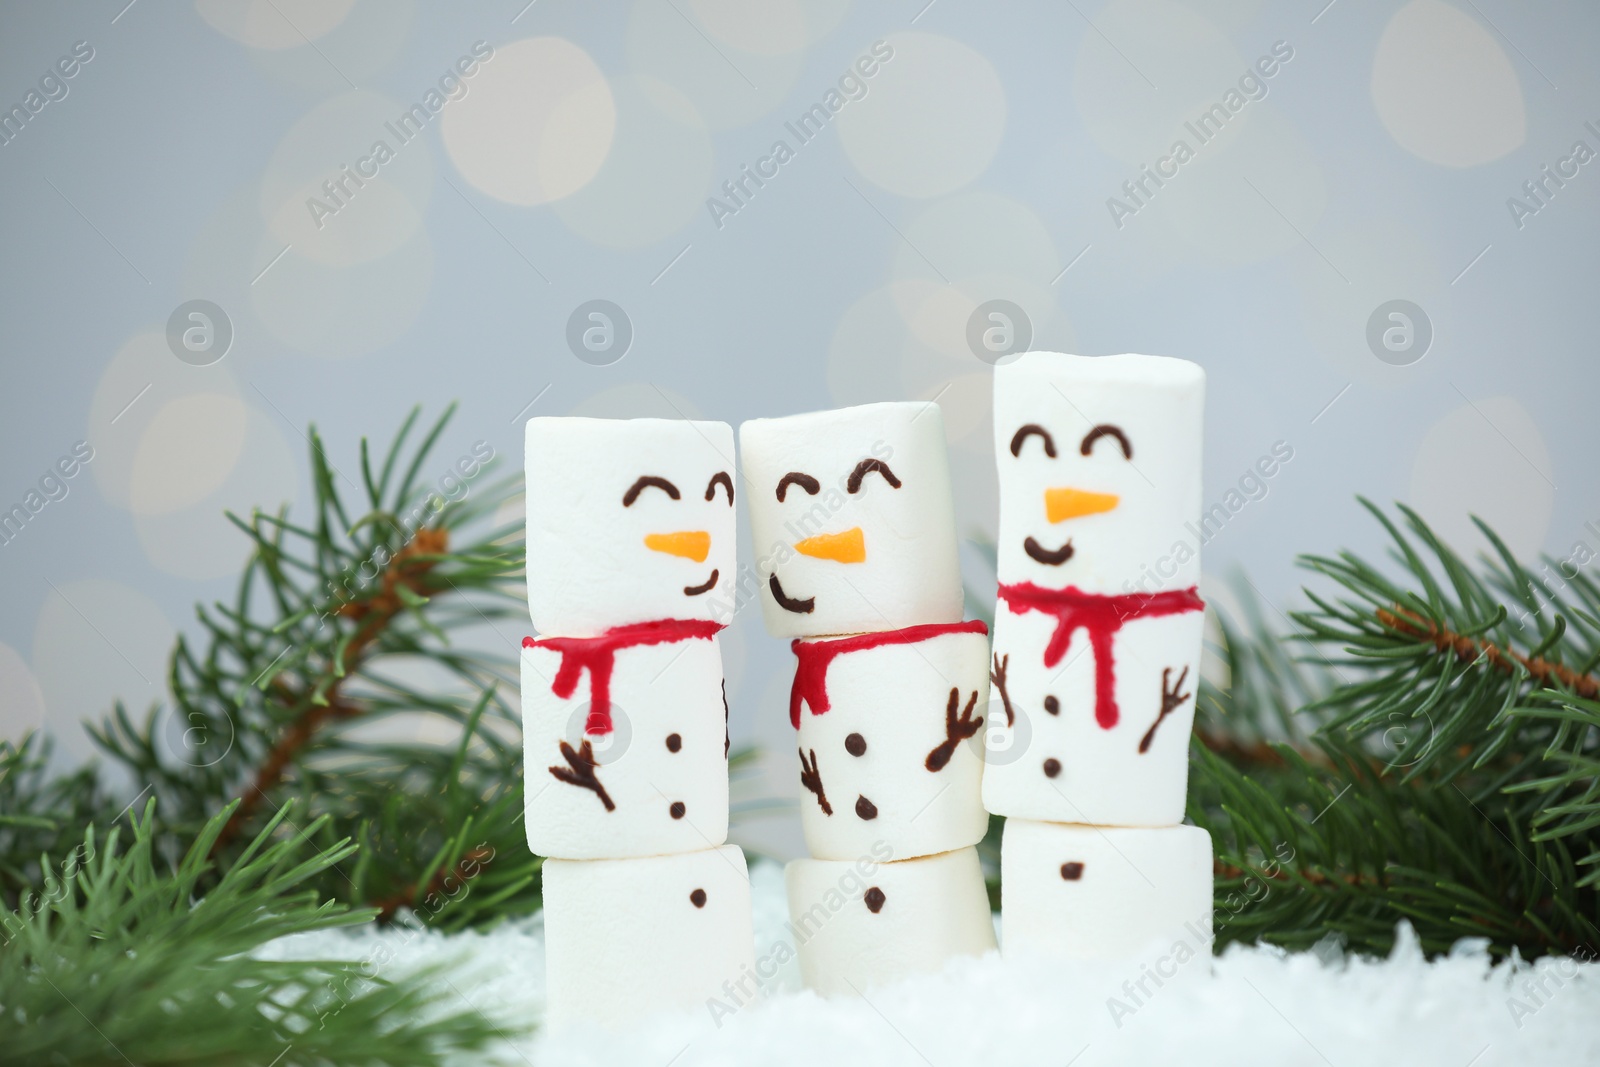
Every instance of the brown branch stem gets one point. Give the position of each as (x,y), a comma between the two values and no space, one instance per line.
(409,896)
(373,616)
(1468,649)
(1220,869)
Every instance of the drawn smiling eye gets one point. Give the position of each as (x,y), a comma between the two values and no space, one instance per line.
(649,481)
(723,479)
(804,481)
(866,467)
(1105,429)
(1033,429)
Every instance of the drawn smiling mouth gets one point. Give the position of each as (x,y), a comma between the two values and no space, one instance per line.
(1052,557)
(709,584)
(799,607)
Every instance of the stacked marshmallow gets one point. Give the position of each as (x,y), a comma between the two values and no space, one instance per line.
(854,532)
(630,541)
(1097,652)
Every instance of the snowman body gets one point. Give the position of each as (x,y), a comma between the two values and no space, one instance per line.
(1098,627)
(1058,753)
(896,755)
(655,780)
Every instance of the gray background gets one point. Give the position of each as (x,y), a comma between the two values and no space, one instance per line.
(577,166)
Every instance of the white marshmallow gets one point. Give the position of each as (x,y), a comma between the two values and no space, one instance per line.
(876,558)
(898,755)
(1090,892)
(1150,539)
(861,925)
(627,938)
(590,567)
(1056,762)
(667,746)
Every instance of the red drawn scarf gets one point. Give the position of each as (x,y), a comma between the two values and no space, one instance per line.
(813,657)
(1102,615)
(597,655)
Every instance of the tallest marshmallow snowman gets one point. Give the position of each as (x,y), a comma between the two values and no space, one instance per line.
(1098,622)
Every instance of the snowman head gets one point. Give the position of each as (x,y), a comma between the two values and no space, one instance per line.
(1099,463)
(629,521)
(852,519)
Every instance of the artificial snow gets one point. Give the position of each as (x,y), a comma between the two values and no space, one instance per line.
(1250,1005)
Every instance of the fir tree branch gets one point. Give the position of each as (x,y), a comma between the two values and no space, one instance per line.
(165,974)
(305,658)
(1435,765)
(39,812)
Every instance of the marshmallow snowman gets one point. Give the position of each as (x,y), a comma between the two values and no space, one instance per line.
(629,938)
(858,931)
(852,518)
(1098,623)
(1093,892)
(629,521)
(854,528)
(630,540)
(890,740)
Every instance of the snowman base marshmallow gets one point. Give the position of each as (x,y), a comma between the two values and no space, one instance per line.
(629,938)
(891,743)
(1099,892)
(641,772)
(858,931)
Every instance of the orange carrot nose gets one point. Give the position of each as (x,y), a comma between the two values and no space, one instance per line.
(847,547)
(1066,503)
(691,544)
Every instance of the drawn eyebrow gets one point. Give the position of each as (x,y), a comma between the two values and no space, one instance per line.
(646,482)
(1038,431)
(1105,429)
(866,467)
(804,481)
(720,478)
